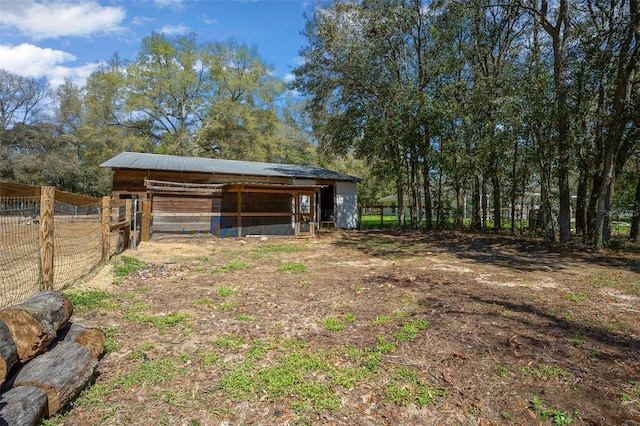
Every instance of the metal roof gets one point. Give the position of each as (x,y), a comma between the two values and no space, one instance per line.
(144,161)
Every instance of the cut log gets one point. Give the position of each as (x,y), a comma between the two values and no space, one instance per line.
(34,323)
(91,338)
(25,405)
(8,352)
(61,372)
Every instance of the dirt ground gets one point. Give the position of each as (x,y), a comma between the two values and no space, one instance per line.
(510,331)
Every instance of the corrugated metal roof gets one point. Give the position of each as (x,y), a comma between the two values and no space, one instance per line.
(143,161)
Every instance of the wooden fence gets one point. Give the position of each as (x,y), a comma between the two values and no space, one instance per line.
(59,234)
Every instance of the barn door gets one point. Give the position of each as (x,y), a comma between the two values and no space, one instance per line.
(305,225)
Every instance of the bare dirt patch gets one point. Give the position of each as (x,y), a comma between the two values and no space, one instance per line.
(439,328)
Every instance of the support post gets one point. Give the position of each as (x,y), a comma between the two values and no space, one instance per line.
(146,220)
(47,200)
(126,232)
(239,214)
(106,227)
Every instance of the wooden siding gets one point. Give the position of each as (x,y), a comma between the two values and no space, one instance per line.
(132,181)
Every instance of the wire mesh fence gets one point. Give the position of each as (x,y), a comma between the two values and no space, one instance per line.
(78,243)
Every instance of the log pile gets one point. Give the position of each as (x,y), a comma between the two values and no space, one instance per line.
(44,359)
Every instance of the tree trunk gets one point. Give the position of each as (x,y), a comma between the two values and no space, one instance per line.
(484,204)
(61,372)
(635,219)
(400,193)
(24,406)
(34,323)
(497,201)
(476,213)
(426,182)
(8,352)
(91,338)
(581,201)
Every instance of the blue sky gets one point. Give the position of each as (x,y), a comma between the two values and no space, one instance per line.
(68,38)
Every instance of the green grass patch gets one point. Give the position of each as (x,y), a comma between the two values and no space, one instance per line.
(158,321)
(294,268)
(225,291)
(124,265)
(91,300)
(203,301)
(544,372)
(405,386)
(409,331)
(231,267)
(576,297)
(334,324)
(262,250)
(151,372)
(229,341)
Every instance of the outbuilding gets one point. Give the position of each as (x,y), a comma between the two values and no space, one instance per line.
(235,198)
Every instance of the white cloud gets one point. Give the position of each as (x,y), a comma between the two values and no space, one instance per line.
(141,20)
(60,19)
(289,77)
(32,61)
(174,29)
(170,3)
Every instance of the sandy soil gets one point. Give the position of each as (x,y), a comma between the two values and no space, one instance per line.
(518,332)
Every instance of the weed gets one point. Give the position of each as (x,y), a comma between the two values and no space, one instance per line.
(225,292)
(210,359)
(381,320)
(576,297)
(304,283)
(203,301)
(294,268)
(227,306)
(579,340)
(405,386)
(334,324)
(384,346)
(409,331)
(502,371)
(348,318)
(231,267)
(229,341)
(244,318)
(560,418)
(110,345)
(544,372)
(357,289)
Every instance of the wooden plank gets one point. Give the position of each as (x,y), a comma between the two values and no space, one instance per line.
(75,199)
(47,200)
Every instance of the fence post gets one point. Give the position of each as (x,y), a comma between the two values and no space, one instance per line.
(126,232)
(47,199)
(106,227)
(146,220)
